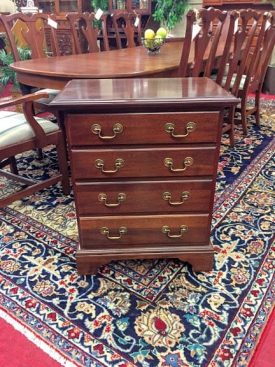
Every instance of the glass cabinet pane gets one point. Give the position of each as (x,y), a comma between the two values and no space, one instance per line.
(47,6)
(67,6)
(140,4)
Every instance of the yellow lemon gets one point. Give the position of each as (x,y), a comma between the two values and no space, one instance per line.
(161,32)
(149,34)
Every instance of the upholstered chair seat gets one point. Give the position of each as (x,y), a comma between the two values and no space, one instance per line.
(14,128)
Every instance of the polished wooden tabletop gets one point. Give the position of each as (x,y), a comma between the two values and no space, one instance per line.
(55,72)
(142,94)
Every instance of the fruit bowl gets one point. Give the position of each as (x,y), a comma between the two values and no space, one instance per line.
(153,45)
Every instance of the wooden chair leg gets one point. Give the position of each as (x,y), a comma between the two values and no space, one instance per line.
(13,165)
(232,126)
(63,164)
(257,107)
(39,152)
(243,115)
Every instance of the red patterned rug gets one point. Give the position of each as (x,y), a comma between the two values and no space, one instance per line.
(146,313)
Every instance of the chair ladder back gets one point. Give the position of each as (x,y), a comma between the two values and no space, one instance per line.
(257,54)
(265,46)
(229,35)
(186,49)
(221,18)
(205,40)
(242,45)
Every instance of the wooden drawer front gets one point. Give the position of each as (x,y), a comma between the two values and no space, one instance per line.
(143,162)
(198,127)
(143,230)
(143,197)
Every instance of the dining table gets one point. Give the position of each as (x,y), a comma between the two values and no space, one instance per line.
(55,72)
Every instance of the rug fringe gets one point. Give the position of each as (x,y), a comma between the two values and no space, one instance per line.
(53,353)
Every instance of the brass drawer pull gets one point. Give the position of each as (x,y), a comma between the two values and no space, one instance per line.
(96,129)
(102,197)
(105,231)
(170,127)
(166,230)
(99,163)
(188,161)
(184,196)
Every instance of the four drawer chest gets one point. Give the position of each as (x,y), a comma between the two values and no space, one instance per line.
(144,155)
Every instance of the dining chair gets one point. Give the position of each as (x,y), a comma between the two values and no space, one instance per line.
(86,29)
(127,26)
(21,132)
(204,31)
(240,64)
(29,30)
(253,78)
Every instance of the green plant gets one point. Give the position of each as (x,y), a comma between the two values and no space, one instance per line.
(169,12)
(100,4)
(7,74)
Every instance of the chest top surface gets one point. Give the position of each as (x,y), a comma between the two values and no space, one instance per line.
(143,93)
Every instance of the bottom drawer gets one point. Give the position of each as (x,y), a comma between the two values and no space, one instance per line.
(144,230)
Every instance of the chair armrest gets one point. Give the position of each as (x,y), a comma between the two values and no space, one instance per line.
(23,99)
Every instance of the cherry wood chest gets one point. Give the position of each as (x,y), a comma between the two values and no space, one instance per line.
(144,155)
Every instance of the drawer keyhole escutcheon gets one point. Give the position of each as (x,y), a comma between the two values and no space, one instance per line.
(105,231)
(170,128)
(99,163)
(166,230)
(102,197)
(168,196)
(97,129)
(188,161)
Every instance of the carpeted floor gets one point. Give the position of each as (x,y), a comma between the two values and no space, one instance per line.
(146,313)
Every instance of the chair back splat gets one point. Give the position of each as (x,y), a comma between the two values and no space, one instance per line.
(127,26)
(247,63)
(86,30)
(204,31)
(30,31)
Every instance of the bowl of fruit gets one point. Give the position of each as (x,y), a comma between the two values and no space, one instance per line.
(153,41)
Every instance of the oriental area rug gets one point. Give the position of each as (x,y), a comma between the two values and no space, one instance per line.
(155,313)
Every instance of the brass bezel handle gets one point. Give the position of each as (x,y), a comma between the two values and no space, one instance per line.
(166,230)
(188,161)
(167,196)
(170,128)
(102,197)
(97,130)
(106,232)
(99,163)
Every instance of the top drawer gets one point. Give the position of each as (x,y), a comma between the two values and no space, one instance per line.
(150,128)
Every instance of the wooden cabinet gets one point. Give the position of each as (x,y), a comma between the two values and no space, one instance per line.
(139,6)
(63,6)
(144,162)
(242,4)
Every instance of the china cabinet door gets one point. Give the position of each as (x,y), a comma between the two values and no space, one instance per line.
(63,6)
(139,6)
